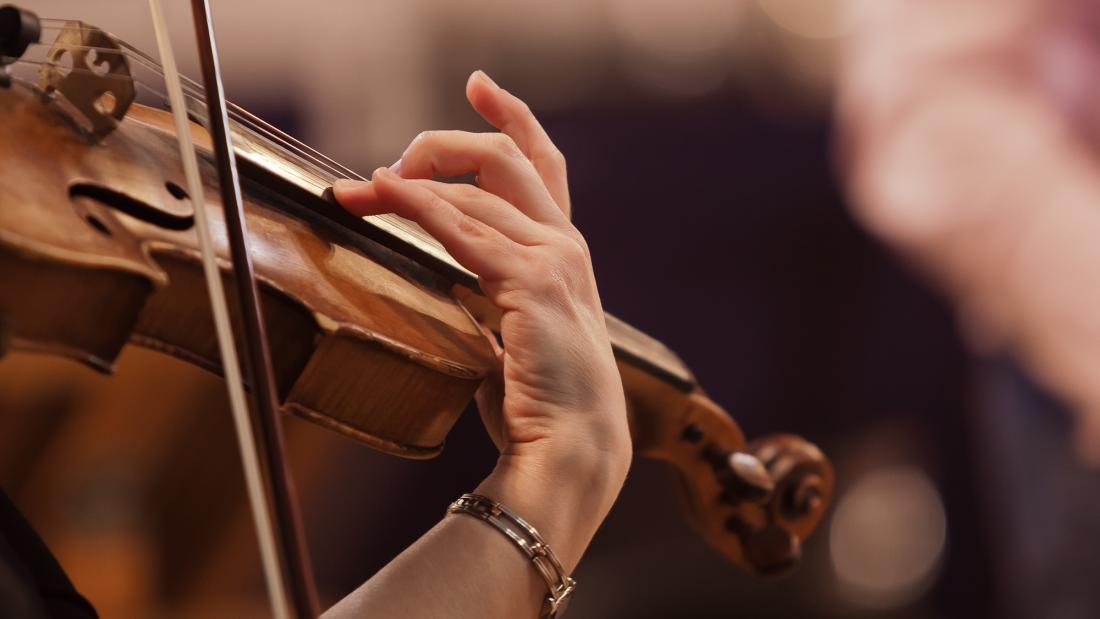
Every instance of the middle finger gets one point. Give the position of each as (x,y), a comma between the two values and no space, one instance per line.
(501,168)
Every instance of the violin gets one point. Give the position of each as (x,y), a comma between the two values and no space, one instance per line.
(376,332)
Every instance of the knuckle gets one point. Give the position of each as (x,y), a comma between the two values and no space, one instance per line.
(550,281)
(438,203)
(467,225)
(582,244)
(521,107)
(420,210)
(575,251)
(560,274)
(504,144)
(557,158)
(425,139)
(466,191)
(462,223)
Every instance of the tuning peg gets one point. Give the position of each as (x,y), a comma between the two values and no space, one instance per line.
(18,29)
(744,478)
(692,433)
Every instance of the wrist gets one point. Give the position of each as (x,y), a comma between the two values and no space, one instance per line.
(564,490)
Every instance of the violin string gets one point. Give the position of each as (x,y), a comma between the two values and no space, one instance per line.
(407,228)
(400,223)
(63,22)
(265,128)
(298,151)
(10,60)
(296,147)
(157,94)
(236,112)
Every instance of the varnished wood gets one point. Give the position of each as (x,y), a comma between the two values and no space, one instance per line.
(369,342)
(143,282)
(662,409)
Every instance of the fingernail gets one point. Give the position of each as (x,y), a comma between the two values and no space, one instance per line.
(395,167)
(487,78)
(383,173)
(344,183)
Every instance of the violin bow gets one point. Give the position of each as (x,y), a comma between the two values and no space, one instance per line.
(278,523)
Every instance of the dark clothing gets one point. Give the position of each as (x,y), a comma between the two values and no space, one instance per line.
(32,583)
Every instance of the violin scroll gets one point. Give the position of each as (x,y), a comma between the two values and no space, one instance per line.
(803,480)
(753,502)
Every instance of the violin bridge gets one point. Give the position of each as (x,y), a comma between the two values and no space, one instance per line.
(89,69)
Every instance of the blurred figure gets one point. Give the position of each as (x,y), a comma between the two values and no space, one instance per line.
(970,143)
(970,148)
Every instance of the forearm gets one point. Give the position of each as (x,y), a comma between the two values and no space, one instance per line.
(464,567)
(460,568)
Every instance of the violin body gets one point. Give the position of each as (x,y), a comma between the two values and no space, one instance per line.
(97,250)
(370,338)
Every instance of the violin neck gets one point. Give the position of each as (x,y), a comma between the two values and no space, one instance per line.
(278,164)
(631,346)
(298,179)
(303,191)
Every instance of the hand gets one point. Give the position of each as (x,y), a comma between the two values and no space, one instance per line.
(562,416)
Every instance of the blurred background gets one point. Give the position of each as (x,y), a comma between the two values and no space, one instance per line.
(740,171)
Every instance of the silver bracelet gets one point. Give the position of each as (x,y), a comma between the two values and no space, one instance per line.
(529,542)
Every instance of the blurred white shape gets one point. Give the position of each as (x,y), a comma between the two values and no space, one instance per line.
(814,19)
(680,47)
(887,537)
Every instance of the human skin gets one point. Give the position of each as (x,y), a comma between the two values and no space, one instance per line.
(556,411)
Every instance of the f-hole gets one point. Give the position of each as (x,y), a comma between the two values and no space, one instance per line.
(132,207)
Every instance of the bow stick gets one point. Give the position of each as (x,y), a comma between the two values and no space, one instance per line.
(278,524)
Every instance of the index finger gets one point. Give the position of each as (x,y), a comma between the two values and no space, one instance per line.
(511,115)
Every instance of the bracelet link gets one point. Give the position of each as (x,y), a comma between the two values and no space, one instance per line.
(528,540)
